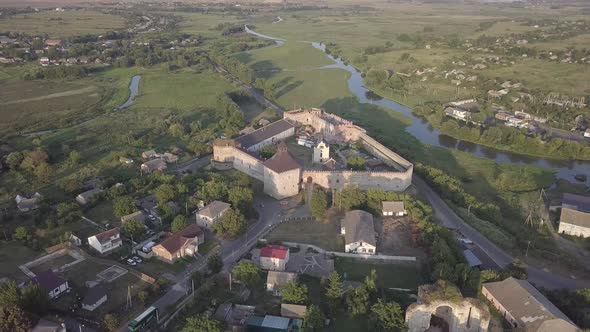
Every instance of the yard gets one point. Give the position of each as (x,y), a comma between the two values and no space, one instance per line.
(389,275)
(102,213)
(324,234)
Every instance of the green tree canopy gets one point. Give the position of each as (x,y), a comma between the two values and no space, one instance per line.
(318,203)
(358,301)
(165,193)
(68,213)
(134,228)
(294,293)
(231,224)
(110,322)
(124,205)
(215,263)
(247,273)
(314,319)
(334,291)
(178,224)
(356,163)
(200,323)
(387,317)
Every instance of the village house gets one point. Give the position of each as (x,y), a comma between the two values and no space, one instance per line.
(234,315)
(53,284)
(359,232)
(180,244)
(458,114)
(273,257)
(28,204)
(272,323)
(211,213)
(393,208)
(106,241)
(88,196)
(524,307)
(154,165)
(293,310)
(169,157)
(95,297)
(137,215)
(150,154)
(275,280)
(575,215)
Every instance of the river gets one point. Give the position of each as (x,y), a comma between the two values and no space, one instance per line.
(133,88)
(423,131)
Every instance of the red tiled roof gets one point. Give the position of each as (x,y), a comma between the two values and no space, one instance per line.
(105,236)
(177,240)
(271,251)
(282,161)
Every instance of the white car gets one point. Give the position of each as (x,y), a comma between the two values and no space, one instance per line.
(465,240)
(131,262)
(136,259)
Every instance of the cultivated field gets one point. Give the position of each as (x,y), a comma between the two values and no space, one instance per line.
(62,24)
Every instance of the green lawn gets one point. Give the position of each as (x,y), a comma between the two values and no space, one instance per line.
(204,24)
(12,255)
(62,24)
(324,234)
(394,275)
(102,213)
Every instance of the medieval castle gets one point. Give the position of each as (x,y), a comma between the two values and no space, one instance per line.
(283,174)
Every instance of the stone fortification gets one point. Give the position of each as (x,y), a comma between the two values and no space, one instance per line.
(388,181)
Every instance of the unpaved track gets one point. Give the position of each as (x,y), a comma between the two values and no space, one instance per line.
(88,89)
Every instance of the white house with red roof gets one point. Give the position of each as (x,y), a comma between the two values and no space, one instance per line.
(106,241)
(274,257)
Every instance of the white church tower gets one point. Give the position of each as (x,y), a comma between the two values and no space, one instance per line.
(321,152)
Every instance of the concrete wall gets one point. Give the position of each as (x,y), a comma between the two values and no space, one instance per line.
(461,317)
(574,230)
(240,160)
(389,181)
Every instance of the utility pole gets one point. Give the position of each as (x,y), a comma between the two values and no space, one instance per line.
(468,210)
(230,281)
(129,302)
(527,249)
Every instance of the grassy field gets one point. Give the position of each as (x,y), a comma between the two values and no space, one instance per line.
(62,24)
(27,106)
(396,275)
(204,24)
(12,255)
(324,234)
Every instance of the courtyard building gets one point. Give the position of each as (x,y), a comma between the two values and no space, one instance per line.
(359,232)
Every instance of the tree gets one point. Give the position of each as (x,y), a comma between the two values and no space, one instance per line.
(21,233)
(142,296)
(179,223)
(33,159)
(134,229)
(123,206)
(318,203)
(356,163)
(314,319)
(387,316)
(74,158)
(68,212)
(294,293)
(14,159)
(9,294)
(14,319)
(247,273)
(201,323)
(267,151)
(231,224)
(35,299)
(241,197)
(165,193)
(110,322)
(371,281)
(358,301)
(215,263)
(44,173)
(334,290)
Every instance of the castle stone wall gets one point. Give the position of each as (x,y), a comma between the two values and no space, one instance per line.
(240,160)
(273,140)
(388,181)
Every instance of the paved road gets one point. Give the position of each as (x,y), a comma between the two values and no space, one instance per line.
(193,164)
(449,219)
(269,211)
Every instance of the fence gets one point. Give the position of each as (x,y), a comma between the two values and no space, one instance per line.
(351,255)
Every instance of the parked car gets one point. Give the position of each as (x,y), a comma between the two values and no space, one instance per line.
(131,262)
(137,259)
(465,241)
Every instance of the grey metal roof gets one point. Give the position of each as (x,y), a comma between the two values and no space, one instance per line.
(576,202)
(525,303)
(393,206)
(358,226)
(276,322)
(264,133)
(471,258)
